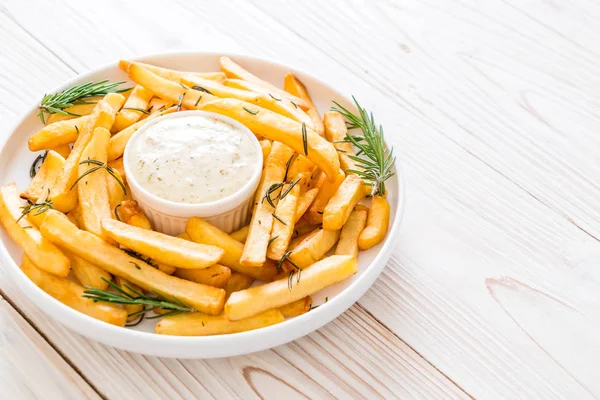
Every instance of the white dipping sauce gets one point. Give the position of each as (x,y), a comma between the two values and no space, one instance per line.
(193,159)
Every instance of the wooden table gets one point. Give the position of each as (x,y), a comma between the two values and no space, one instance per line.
(493,109)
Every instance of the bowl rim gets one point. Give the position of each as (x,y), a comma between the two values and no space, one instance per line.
(273,335)
(188,210)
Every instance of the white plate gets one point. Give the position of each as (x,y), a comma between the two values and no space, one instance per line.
(15,160)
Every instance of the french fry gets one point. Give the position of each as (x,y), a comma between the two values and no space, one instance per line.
(75,214)
(73,218)
(117,165)
(57,134)
(259,233)
(103,115)
(201,231)
(296,308)
(241,234)
(120,140)
(237,282)
(162,248)
(335,132)
(313,247)
(314,214)
(64,149)
(87,273)
(130,212)
(304,202)
(301,230)
(253,301)
(70,294)
(216,275)
(235,71)
(74,111)
(130,113)
(292,85)
(45,177)
(283,227)
(265,145)
(197,324)
(348,244)
(88,246)
(39,249)
(93,189)
(115,192)
(377,223)
(171,74)
(342,203)
(301,166)
(126,286)
(275,127)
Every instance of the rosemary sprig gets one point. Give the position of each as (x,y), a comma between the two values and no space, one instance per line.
(140,257)
(250,111)
(116,212)
(289,188)
(274,98)
(37,163)
(279,219)
(35,208)
(99,165)
(180,101)
(198,101)
(284,258)
(304,139)
(291,278)
(137,109)
(287,166)
(378,161)
(272,240)
(272,189)
(120,296)
(202,89)
(56,103)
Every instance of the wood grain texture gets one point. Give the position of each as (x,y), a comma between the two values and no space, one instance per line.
(493,111)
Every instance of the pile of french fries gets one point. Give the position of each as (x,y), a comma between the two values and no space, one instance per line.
(80,229)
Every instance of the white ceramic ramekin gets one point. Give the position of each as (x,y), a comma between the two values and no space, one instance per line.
(228,214)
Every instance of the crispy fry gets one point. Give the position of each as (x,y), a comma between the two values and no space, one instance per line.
(252,301)
(201,231)
(314,214)
(59,230)
(130,114)
(235,71)
(74,111)
(64,149)
(255,248)
(57,134)
(126,286)
(163,248)
(275,127)
(377,223)
(237,282)
(44,179)
(69,293)
(313,247)
(241,234)
(297,307)
(292,85)
(87,273)
(103,116)
(216,275)
(93,189)
(348,244)
(342,203)
(283,228)
(335,132)
(196,324)
(39,249)
(305,201)
(172,74)
(301,166)
(119,140)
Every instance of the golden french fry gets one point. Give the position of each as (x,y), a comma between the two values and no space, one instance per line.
(259,233)
(348,244)
(237,282)
(130,113)
(252,301)
(92,188)
(126,286)
(197,324)
(161,247)
(57,134)
(335,132)
(275,127)
(377,223)
(216,275)
(59,230)
(171,74)
(74,111)
(292,85)
(130,209)
(241,234)
(103,116)
(64,150)
(87,273)
(39,249)
(313,247)
(266,149)
(342,203)
(296,308)
(45,177)
(235,71)
(70,294)
(314,214)
(283,226)
(304,202)
(120,140)
(301,166)
(201,231)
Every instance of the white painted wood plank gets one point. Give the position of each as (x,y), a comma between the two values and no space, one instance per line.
(30,368)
